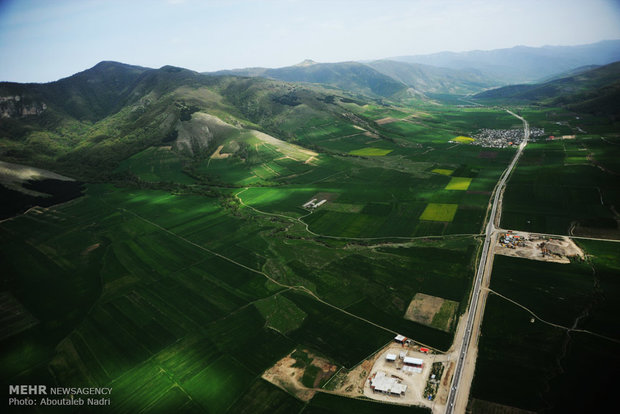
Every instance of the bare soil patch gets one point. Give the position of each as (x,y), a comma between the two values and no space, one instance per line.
(287,374)
(535,246)
(387,120)
(351,383)
(90,248)
(217,155)
(431,311)
(442,393)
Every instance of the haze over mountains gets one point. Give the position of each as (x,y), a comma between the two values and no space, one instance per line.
(522,63)
(446,72)
(594,90)
(104,114)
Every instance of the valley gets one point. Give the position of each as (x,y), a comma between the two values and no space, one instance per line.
(246,244)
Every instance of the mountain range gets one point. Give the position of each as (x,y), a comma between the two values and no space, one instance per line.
(87,123)
(521,64)
(445,72)
(594,91)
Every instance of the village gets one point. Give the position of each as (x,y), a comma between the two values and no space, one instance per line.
(502,138)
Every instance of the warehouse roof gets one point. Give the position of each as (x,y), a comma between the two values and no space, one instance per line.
(413,361)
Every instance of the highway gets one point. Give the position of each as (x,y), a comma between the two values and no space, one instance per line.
(487,251)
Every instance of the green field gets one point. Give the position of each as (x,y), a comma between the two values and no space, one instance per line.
(370,152)
(179,279)
(439,212)
(459,183)
(552,189)
(442,171)
(463,140)
(533,365)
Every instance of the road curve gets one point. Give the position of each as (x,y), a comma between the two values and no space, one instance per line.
(482,270)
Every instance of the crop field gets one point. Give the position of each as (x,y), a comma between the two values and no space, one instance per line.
(459,183)
(442,171)
(565,190)
(370,152)
(156,164)
(533,365)
(332,404)
(549,193)
(180,300)
(463,140)
(439,212)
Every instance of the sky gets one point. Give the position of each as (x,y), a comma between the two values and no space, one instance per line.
(45,40)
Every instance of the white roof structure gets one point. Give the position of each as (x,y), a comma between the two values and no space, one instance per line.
(388,385)
(391,357)
(310,203)
(413,361)
(399,338)
(417,370)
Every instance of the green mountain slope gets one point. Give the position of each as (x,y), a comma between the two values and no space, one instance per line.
(87,123)
(89,95)
(593,91)
(351,76)
(433,79)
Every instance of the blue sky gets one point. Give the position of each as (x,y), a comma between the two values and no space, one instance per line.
(44,40)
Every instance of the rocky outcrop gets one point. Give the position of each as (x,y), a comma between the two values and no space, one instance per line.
(17,107)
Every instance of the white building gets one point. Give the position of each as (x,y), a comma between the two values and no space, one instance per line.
(380,382)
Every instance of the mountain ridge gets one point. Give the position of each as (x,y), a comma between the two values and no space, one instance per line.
(520,64)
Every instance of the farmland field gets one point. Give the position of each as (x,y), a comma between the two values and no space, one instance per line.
(442,171)
(183,279)
(459,183)
(439,212)
(552,190)
(531,365)
(370,152)
(463,140)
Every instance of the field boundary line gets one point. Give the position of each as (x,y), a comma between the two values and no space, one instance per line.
(325,236)
(298,288)
(555,325)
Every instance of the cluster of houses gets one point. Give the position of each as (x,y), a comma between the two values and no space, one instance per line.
(502,138)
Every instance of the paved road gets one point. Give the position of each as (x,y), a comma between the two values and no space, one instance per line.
(482,270)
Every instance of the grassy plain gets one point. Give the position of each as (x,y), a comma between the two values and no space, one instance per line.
(180,300)
(536,366)
(553,190)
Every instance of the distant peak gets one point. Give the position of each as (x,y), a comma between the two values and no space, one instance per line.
(307,62)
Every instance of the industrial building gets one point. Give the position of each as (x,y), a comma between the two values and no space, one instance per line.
(380,382)
(413,365)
